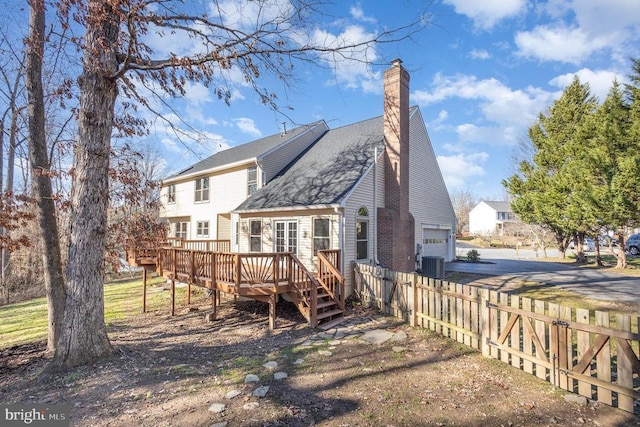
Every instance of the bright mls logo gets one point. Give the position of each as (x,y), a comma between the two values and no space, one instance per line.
(34,415)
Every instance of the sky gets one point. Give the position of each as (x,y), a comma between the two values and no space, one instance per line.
(481,73)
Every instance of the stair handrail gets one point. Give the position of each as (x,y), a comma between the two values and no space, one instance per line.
(324,264)
(312,300)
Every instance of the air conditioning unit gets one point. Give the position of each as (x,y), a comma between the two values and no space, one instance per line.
(433,266)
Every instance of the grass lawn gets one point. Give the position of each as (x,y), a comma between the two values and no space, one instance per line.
(27,321)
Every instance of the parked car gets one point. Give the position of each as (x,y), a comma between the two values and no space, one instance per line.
(632,244)
(587,246)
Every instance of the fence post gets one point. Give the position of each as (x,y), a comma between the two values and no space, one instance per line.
(484,323)
(411,301)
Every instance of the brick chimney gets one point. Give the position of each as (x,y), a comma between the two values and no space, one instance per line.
(396,226)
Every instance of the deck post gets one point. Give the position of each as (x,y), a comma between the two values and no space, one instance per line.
(238,269)
(214,303)
(173,296)
(272,311)
(276,267)
(144,290)
(188,293)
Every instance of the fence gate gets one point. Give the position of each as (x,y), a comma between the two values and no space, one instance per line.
(592,360)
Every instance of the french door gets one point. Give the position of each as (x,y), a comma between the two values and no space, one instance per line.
(287,236)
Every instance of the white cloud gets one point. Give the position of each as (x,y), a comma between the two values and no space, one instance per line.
(504,110)
(351,67)
(581,28)
(600,81)
(358,14)
(486,14)
(459,168)
(479,54)
(248,126)
(248,14)
(559,43)
(438,123)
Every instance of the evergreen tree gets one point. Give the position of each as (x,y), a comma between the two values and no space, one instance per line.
(550,189)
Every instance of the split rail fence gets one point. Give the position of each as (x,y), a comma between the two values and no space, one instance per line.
(591,353)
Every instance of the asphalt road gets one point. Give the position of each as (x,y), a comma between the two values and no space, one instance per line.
(598,284)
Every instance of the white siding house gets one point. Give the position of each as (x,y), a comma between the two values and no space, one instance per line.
(490,217)
(320,188)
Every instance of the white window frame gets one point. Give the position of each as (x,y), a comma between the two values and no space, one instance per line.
(314,237)
(181,230)
(252,184)
(253,235)
(202,229)
(201,194)
(171,194)
(362,218)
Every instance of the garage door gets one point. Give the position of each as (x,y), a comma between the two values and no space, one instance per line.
(435,242)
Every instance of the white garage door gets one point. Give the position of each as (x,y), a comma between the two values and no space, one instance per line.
(435,242)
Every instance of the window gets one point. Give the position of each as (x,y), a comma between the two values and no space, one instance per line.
(237,233)
(202,229)
(252,180)
(180,231)
(255,236)
(321,236)
(362,239)
(362,234)
(287,236)
(171,194)
(202,190)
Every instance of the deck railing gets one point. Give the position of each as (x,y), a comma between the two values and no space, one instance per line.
(209,262)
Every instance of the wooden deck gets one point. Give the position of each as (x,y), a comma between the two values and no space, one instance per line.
(260,276)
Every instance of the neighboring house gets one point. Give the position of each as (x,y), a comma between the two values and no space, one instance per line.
(490,218)
(314,188)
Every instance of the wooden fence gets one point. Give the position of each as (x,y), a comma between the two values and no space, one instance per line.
(591,353)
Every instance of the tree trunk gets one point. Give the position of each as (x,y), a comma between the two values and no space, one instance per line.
(84,336)
(41,178)
(621,256)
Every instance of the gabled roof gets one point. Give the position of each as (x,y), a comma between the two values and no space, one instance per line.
(325,173)
(248,151)
(499,206)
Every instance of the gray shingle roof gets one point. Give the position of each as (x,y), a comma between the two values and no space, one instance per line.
(499,206)
(246,151)
(326,172)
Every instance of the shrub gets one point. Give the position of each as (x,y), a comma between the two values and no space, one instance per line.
(473,256)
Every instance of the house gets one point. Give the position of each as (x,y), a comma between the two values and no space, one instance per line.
(490,218)
(371,189)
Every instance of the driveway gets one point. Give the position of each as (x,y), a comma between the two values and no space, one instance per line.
(597,284)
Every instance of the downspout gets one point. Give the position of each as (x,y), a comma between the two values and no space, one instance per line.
(375,205)
(341,234)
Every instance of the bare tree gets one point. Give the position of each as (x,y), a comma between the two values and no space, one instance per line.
(40,166)
(118,60)
(463,201)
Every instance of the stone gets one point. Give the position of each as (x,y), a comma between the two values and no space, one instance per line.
(270,365)
(251,378)
(576,398)
(232,394)
(280,375)
(298,362)
(399,336)
(251,405)
(377,336)
(261,391)
(217,408)
(222,424)
(398,349)
(325,353)
(334,342)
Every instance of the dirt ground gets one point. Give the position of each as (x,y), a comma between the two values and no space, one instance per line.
(169,371)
